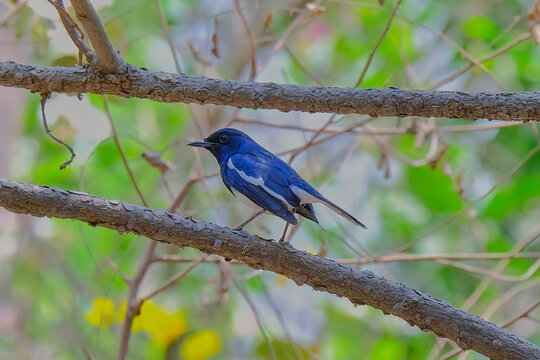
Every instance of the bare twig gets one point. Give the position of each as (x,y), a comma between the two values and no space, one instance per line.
(173,279)
(122,154)
(44,97)
(74,31)
(374,50)
(119,272)
(507,177)
(253,310)
(167,33)
(12,12)
(519,316)
(132,303)
(251,41)
(400,257)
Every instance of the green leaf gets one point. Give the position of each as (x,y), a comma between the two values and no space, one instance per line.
(388,348)
(481,27)
(514,196)
(434,189)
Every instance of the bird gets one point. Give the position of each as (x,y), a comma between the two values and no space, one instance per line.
(262,180)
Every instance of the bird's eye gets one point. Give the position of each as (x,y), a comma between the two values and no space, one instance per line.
(223,139)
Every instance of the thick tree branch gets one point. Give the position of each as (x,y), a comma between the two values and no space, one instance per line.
(167,87)
(360,287)
(108,59)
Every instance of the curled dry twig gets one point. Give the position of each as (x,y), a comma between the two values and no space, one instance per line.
(44,98)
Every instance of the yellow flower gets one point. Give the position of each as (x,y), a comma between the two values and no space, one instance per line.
(281,280)
(200,345)
(163,326)
(102,313)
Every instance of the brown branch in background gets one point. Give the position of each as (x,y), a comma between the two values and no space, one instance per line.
(522,315)
(108,60)
(483,286)
(44,97)
(360,287)
(374,50)
(196,54)
(173,279)
(468,206)
(253,308)
(215,48)
(133,306)
(495,53)
(122,154)
(74,31)
(401,257)
(167,87)
(132,303)
(253,48)
(297,61)
(167,33)
(385,130)
(12,12)
(303,18)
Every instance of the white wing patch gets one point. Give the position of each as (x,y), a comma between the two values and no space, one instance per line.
(303,195)
(257,182)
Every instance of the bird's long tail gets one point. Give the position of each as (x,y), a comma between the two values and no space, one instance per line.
(340,211)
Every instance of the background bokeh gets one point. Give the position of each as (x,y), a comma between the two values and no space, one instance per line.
(440,196)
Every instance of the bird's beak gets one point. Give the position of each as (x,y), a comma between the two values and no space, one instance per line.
(201,143)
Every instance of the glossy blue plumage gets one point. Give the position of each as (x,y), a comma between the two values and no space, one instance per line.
(250,170)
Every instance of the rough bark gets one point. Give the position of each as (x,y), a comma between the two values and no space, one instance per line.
(360,287)
(166,87)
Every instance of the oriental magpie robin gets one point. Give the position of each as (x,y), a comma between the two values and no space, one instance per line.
(252,173)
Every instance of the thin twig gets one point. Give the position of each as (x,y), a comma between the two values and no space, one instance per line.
(18,6)
(167,32)
(379,41)
(491,274)
(122,154)
(74,31)
(386,130)
(44,98)
(173,279)
(131,302)
(507,177)
(434,257)
(465,68)
(119,272)
(523,314)
(251,41)
(254,311)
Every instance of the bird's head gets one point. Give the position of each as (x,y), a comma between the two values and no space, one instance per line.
(223,143)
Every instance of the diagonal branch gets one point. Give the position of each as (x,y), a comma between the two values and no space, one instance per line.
(108,59)
(360,287)
(166,87)
(74,31)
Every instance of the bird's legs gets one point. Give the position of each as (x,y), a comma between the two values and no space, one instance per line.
(239,227)
(284,233)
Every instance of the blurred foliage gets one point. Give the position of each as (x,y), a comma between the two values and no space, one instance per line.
(64,298)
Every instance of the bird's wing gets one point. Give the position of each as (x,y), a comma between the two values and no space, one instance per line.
(260,182)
